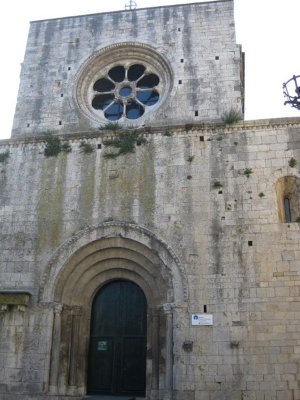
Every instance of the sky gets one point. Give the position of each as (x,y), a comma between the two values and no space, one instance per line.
(266,29)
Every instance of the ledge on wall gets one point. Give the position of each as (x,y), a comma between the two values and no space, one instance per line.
(13,298)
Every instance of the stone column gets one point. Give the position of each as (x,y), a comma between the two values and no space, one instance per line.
(168,395)
(74,345)
(155,325)
(55,348)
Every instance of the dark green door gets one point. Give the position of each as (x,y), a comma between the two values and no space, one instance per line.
(117,359)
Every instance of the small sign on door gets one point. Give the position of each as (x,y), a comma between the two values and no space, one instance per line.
(202,319)
(102,346)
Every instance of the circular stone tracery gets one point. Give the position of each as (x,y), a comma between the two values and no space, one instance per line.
(123,82)
(139,90)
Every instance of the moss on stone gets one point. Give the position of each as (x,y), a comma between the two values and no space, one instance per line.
(50,203)
(20,299)
(87,188)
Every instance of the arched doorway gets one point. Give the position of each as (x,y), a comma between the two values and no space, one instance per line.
(90,260)
(118,336)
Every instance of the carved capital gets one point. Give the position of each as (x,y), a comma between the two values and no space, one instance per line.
(58,308)
(168,307)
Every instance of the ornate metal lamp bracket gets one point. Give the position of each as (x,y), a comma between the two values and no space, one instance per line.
(288,90)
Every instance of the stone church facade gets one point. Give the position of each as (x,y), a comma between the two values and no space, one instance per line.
(124,175)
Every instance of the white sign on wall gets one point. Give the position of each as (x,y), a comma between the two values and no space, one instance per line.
(202,319)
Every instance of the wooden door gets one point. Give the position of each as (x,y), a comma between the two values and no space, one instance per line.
(117,358)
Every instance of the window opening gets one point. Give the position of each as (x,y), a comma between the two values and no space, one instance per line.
(126,92)
(148,97)
(114,111)
(102,101)
(180,81)
(117,74)
(135,72)
(287,210)
(134,110)
(148,81)
(103,85)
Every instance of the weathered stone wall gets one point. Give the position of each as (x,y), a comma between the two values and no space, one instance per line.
(194,216)
(190,190)
(197,42)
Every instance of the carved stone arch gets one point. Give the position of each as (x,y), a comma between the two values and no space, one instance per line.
(287,190)
(93,239)
(80,267)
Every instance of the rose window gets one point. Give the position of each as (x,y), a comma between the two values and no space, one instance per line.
(126,92)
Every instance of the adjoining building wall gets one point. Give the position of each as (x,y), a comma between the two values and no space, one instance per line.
(193,216)
(193,46)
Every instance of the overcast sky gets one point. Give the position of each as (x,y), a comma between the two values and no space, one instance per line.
(267,29)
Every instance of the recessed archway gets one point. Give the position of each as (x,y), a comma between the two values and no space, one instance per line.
(79,269)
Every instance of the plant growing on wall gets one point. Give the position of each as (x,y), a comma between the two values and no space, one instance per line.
(217,185)
(111,126)
(248,172)
(85,147)
(231,117)
(66,147)
(54,146)
(292,162)
(124,142)
(4,156)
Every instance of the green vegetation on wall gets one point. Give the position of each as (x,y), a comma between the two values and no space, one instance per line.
(54,146)
(4,156)
(292,162)
(231,117)
(85,147)
(124,142)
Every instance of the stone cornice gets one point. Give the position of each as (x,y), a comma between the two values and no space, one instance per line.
(242,126)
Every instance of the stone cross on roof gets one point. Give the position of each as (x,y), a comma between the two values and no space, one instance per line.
(131,5)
